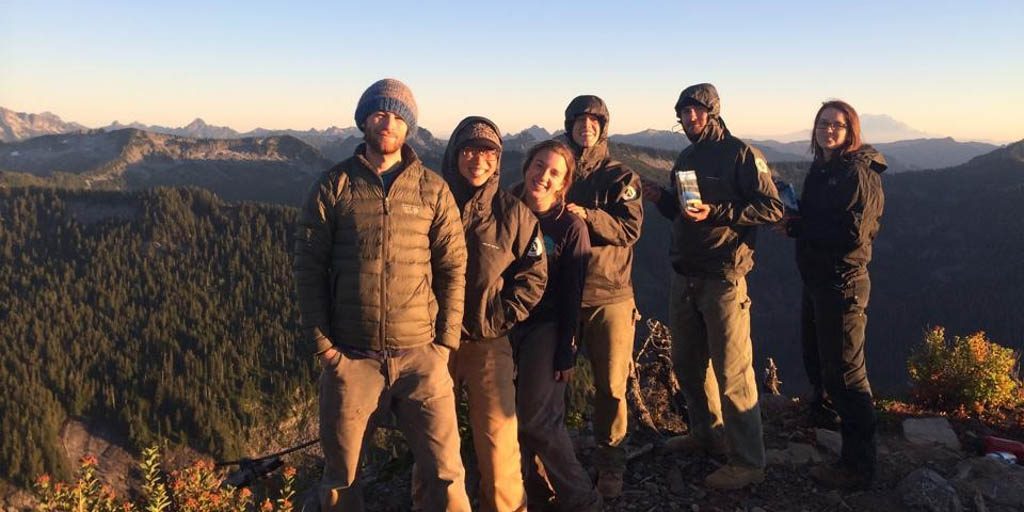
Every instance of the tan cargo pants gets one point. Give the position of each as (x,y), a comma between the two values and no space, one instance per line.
(607,334)
(414,384)
(711,324)
(486,370)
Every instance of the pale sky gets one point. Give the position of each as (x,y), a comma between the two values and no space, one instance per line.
(946,68)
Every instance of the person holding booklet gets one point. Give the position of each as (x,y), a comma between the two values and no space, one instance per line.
(840,206)
(721,190)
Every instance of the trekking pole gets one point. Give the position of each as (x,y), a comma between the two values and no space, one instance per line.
(250,470)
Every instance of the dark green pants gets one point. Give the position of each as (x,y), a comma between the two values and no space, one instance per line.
(711,325)
(607,333)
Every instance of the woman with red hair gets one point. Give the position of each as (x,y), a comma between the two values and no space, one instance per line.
(840,207)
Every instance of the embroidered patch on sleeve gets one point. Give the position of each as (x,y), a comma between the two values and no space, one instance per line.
(536,248)
(628,193)
(762,166)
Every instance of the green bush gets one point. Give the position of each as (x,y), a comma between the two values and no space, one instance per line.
(968,373)
(579,395)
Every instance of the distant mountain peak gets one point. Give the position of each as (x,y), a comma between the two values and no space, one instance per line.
(196,124)
(16,126)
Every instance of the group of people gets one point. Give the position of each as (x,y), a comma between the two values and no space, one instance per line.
(414,284)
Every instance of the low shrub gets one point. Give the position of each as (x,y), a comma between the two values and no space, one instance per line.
(195,488)
(967,373)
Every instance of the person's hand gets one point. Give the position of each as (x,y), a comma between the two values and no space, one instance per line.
(696,213)
(329,356)
(564,375)
(652,191)
(782,227)
(577,210)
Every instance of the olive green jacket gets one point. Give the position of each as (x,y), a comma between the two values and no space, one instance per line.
(380,271)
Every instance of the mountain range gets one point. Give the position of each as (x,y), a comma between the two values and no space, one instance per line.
(929,250)
(906,148)
(904,155)
(875,127)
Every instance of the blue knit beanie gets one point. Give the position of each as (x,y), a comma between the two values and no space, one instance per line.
(387,95)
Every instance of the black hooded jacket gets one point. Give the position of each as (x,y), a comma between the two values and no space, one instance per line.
(735,181)
(610,192)
(507,266)
(840,208)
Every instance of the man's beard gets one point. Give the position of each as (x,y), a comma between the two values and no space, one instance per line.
(382,145)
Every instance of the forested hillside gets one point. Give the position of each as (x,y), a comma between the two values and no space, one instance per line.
(166,314)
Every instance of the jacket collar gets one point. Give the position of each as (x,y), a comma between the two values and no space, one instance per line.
(409,158)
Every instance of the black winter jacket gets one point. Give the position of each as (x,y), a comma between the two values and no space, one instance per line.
(840,208)
(735,181)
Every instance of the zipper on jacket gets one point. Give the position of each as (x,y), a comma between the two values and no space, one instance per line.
(384,265)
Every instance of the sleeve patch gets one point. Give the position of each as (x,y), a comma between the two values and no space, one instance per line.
(536,248)
(629,193)
(762,166)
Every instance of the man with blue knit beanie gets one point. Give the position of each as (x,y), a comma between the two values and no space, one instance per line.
(380,275)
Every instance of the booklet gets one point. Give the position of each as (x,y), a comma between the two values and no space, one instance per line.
(686,187)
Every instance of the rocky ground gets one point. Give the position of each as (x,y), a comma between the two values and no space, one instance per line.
(927,462)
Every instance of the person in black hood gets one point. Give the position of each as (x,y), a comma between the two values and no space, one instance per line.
(840,206)
(712,252)
(505,278)
(606,195)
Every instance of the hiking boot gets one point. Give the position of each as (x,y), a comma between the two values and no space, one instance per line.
(839,476)
(692,445)
(731,477)
(609,484)
(822,415)
(589,503)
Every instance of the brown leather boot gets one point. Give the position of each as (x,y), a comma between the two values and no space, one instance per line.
(693,445)
(609,484)
(731,477)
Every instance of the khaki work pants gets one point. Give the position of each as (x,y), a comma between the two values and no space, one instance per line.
(540,405)
(607,334)
(486,370)
(711,323)
(415,385)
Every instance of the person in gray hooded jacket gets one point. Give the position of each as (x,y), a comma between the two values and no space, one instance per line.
(606,195)
(712,251)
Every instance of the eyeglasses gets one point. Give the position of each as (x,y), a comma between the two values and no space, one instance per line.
(826,126)
(485,153)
